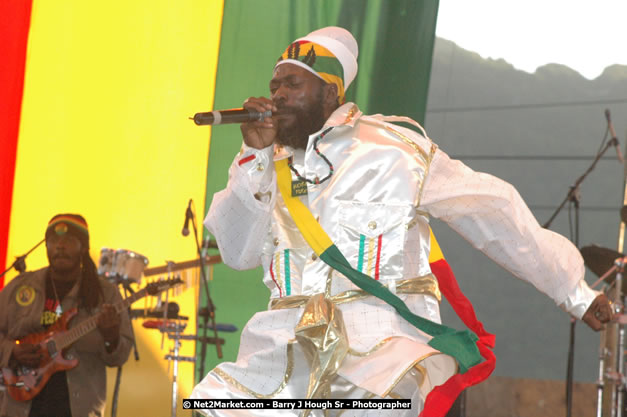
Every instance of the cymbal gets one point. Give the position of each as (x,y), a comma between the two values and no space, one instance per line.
(599,260)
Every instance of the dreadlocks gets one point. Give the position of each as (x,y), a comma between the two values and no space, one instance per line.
(89,291)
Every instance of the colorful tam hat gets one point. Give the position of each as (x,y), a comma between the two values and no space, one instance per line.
(330,53)
(73,224)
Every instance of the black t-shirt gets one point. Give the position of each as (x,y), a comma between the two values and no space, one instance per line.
(54,398)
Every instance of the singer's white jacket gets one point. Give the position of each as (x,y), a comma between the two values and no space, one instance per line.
(387,182)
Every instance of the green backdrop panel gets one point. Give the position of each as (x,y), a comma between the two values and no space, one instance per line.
(395,48)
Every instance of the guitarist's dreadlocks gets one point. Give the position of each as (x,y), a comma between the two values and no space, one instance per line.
(90,291)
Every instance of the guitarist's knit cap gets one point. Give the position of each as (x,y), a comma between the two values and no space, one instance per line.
(73,224)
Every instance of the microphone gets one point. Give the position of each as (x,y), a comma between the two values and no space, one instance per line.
(188,215)
(614,137)
(221,117)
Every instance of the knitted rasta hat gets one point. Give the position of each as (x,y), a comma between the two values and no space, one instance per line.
(73,224)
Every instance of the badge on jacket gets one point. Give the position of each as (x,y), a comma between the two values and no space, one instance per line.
(299,188)
(25,295)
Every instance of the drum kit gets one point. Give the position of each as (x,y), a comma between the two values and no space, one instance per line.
(121,266)
(124,267)
(609,266)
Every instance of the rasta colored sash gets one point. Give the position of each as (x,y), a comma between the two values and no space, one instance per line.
(441,398)
(458,344)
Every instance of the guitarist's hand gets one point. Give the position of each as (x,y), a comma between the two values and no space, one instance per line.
(109,325)
(26,354)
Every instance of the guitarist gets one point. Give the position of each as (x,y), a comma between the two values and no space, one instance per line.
(33,301)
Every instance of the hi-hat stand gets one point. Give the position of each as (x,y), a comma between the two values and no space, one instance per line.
(573,197)
(174,333)
(611,387)
(611,383)
(174,328)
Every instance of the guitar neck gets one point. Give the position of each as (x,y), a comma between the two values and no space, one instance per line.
(70,336)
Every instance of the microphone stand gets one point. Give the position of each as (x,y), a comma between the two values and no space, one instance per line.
(573,197)
(20,261)
(207,313)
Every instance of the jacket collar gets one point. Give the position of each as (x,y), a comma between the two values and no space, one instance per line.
(346,114)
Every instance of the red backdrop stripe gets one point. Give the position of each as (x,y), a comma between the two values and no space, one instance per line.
(14,27)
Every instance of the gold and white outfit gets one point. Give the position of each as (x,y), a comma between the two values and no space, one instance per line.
(388,181)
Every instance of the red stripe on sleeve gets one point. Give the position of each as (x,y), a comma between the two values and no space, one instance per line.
(247,159)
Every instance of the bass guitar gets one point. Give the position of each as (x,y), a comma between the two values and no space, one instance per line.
(24,383)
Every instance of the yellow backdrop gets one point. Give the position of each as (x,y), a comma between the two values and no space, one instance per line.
(105,133)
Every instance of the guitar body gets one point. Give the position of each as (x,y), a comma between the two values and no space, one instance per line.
(24,383)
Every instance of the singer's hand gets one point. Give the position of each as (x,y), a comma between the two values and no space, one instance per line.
(599,312)
(259,134)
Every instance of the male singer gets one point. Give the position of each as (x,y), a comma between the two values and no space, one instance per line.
(320,181)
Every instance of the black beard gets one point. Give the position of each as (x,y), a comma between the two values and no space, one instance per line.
(305,122)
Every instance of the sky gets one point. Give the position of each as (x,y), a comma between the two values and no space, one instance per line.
(586,35)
